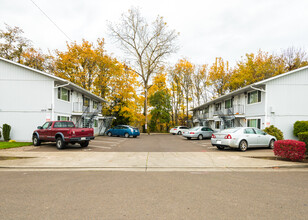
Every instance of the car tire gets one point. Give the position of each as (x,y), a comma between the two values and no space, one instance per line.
(179,133)
(60,143)
(243,145)
(220,147)
(36,141)
(200,137)
(134,136)
(188,138)
(109,134)
(84,143)
(126,135)
(173,133)
(271,144)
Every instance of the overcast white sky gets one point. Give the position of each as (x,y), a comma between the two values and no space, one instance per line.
(208,29)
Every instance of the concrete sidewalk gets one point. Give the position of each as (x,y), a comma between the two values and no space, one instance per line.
(144,161)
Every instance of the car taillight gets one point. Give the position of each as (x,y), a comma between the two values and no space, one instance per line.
(228,136)
(174,128)
(213,136)
(192,132)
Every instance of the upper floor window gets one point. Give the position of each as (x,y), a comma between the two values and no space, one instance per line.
(256,123)
(228,103)
(217,106)
(95,104)
(64,94)
(254,97)
(86,101)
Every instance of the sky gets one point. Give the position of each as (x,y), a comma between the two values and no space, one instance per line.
(208,29)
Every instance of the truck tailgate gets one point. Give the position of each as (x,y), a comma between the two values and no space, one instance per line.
(83,132)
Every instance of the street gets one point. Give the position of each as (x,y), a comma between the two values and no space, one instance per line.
(153,195)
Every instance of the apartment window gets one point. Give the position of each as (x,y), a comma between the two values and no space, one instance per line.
(206,110)
(255,123)
(254,97)
(95,123)
(63,118)
(95,104)
(64,94)
(228,104)
(217,106)
(86,101)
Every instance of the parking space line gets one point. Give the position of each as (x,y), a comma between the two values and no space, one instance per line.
(99,147)
(108,142)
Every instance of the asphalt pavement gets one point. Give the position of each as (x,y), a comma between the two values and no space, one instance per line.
(153,195)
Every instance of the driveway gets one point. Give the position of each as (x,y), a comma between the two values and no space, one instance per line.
(143,143)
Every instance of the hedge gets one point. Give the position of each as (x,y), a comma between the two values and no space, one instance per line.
(290,149)
(303,136)
(272,130)
(6,129)
(300,126)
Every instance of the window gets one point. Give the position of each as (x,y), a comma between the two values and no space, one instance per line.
(228,103)
(95,104)
(95,124)
(46,125)
(217,106)
(249,131)
(64,124)
(254,97)
(255,123)
(63,118)
(64,94)
(86,102)
(258,131)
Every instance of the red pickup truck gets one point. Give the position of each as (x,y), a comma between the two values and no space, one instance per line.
(62,132)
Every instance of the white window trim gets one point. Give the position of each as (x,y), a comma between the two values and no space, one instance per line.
(69,117)
(254,102)
(253,119)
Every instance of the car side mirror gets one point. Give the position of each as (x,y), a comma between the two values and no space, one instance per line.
(39,127)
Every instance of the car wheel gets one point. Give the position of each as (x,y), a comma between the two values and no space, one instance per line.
(84,143)
(200,137)
(220,147)
(243,145)
(271,144)
(173,133)
(188,138)
(36,141)
(126,135)
(109,134)
(134,136)
(60,143)
(179,133)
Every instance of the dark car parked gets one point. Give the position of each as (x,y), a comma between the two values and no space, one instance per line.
(123,130)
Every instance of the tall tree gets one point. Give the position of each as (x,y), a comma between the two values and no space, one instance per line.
(176,94)
(219,75)
(200,84)
(146,45)
(294,58)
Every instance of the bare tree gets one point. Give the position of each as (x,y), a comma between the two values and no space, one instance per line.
(146,45)
(200,85)
(294,58)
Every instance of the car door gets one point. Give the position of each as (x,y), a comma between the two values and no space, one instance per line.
(263,140)
(204,132)
(251,137)
(209,132)
(49,135)
(115,130)
(43,132)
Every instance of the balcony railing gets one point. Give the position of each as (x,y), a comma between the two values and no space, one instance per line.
(78,107)
(235,110)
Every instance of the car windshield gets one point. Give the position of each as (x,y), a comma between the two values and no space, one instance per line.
(194,129)
(230,130)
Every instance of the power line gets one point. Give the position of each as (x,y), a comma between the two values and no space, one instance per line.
(51,20)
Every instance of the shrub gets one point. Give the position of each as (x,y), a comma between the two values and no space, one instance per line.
(290,149)
(303,136)
(6,129)
(272,130)
(300,126)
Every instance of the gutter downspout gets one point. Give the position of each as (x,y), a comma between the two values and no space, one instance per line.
(61,85)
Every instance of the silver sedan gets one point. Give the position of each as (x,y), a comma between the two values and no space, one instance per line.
(198,132)
(242,138)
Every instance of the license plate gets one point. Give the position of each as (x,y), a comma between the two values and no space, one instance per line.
(218,142)
(83,138)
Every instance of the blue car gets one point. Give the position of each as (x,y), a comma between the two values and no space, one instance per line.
(123,130)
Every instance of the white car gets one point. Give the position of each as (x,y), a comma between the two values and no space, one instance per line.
(198,132)
(242,138)
(178,130)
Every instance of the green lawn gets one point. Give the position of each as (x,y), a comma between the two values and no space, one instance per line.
(4,145)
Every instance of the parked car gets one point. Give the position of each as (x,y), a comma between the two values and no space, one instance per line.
(123,130)
(178,130)
(242,138)
(198,132)
(62,132)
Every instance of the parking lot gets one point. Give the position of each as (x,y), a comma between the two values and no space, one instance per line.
(143,143)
